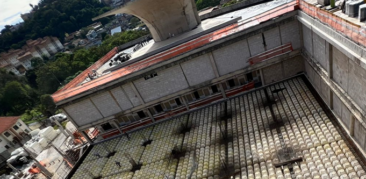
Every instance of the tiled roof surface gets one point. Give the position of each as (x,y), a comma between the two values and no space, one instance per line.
(7,122)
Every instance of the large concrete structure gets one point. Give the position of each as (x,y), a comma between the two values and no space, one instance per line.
(276,42)
(163,22)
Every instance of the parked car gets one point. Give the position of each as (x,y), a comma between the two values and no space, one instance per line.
(59,117)
(16,155)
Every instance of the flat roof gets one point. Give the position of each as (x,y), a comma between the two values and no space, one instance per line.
(251,148)
(150,56)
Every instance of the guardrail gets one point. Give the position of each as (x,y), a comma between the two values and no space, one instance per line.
(270,54)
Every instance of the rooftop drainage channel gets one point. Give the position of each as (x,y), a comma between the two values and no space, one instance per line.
(352,146)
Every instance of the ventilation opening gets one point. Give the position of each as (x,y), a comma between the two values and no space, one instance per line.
(158,108)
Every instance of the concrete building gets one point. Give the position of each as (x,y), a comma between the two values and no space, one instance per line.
(13,131)
(18,61)
(250,48)
(91,35)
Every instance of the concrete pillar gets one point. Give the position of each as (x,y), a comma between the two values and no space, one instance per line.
(329,53)
(61,128)
(150,115)
(86,137)
(262,79)
(183,98)
(352,127)
(216,72)
(116,125)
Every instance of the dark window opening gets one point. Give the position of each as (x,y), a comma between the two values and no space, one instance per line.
(7,147)
(214,89)
(26,130)
(141,114)
(107,126)
(231,83)
(152,75)
(249,77)
(196,95)
(15,127)
(158,108)
(7,134)
(177,100)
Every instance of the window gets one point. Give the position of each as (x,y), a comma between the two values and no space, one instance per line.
(177,100)
(196,95)
(107,126)
(19,124)
(231,83)
(158,108)
(250,77)
(26,130)
(7,134)
(214,89)
(152,75)
(15,127)
(1,140)
(141,114)
(7,147)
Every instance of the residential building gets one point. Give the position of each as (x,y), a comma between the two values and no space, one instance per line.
(18,61)
(13,132)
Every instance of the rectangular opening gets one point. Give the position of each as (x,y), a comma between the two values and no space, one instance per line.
(177,100)
(214,89)
(231,83)
(107,126)
(249,77)
(196,95)
(159,108)
(141,114)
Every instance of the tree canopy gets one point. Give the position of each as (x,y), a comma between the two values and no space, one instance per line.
(29,93)
(53,18)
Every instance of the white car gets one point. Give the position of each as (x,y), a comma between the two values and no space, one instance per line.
(16,155)
(59,117)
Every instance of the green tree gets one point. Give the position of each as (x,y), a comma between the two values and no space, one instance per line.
(16,98)
(47,106)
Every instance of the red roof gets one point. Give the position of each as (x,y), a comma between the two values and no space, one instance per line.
(73,88)
(7,122)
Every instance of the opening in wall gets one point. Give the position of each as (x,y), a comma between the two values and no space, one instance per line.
(249,76)
(141,114)
(177,100)
(107,127)
(196,95)
(159,108)
(231,83)
(214,89)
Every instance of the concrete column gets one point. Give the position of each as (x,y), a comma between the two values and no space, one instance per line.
(262,79)
(149,114)
(86,137)
(61,128)
(331,105)
(184,102)
(352,127)
(116,125)
(216,72)
(329,48)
